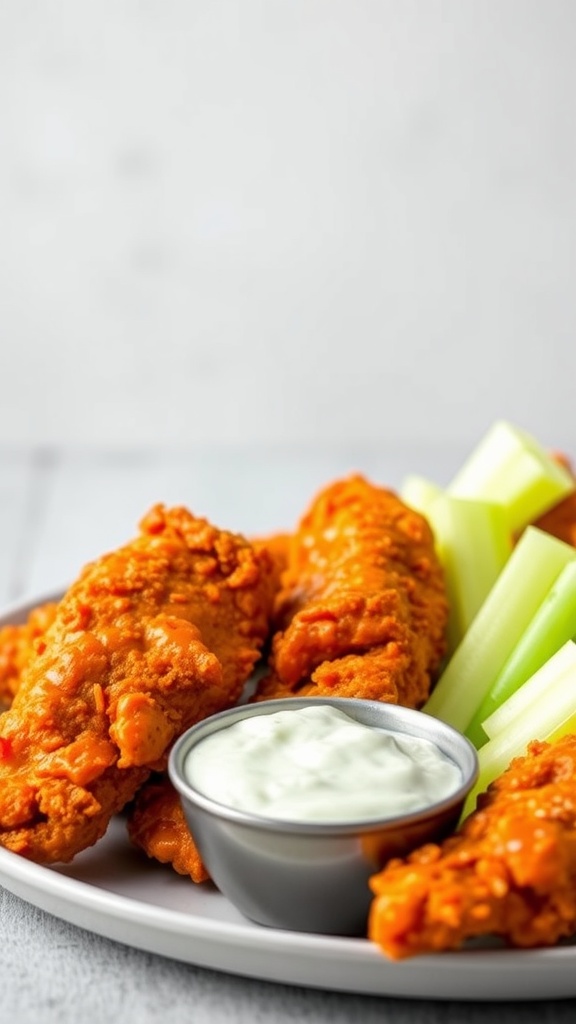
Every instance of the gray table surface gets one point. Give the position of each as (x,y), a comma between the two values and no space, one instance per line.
(58,508)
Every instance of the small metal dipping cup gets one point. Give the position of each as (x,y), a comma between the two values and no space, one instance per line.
(313,877)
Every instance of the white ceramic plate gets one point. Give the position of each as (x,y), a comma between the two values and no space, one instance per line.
(116,892)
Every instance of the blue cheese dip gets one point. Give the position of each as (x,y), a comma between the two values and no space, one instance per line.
(316,764)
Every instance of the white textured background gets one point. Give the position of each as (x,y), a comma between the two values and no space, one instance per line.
(308,220)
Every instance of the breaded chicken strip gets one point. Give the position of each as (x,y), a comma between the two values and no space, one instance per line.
(510,871)
(278,547)
(362,609)
(156,822)
(150,639)
(158,827)
(17,647)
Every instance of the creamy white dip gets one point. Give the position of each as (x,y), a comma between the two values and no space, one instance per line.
(318,764)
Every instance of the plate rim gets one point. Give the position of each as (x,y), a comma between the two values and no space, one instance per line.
(283,956)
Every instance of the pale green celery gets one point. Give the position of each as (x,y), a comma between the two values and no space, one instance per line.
(519,703)
(548,717)
(553,624)
(419,493)
(511,468)
(534,565)
(473,544)
(565,728)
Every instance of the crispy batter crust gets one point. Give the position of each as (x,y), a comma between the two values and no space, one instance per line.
(18,646)
(510,871)
(158,827)
(149,639)
(362,608)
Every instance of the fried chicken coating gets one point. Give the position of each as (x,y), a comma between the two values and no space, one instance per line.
(156,822)
(510,871)
(17,647)
(158,827)
(362,609)
(278,547)
(149,639)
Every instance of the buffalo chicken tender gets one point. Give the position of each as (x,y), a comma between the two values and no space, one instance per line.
(277,545)
(156,824)
(362,608)
(150,639)
(18,644)
(509,872)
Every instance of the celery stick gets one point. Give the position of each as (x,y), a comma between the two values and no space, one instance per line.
(563,729)
(473,544)
(553,624)
(548,717)
(419,493)
(564,660)
(510,467)
(532,568)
